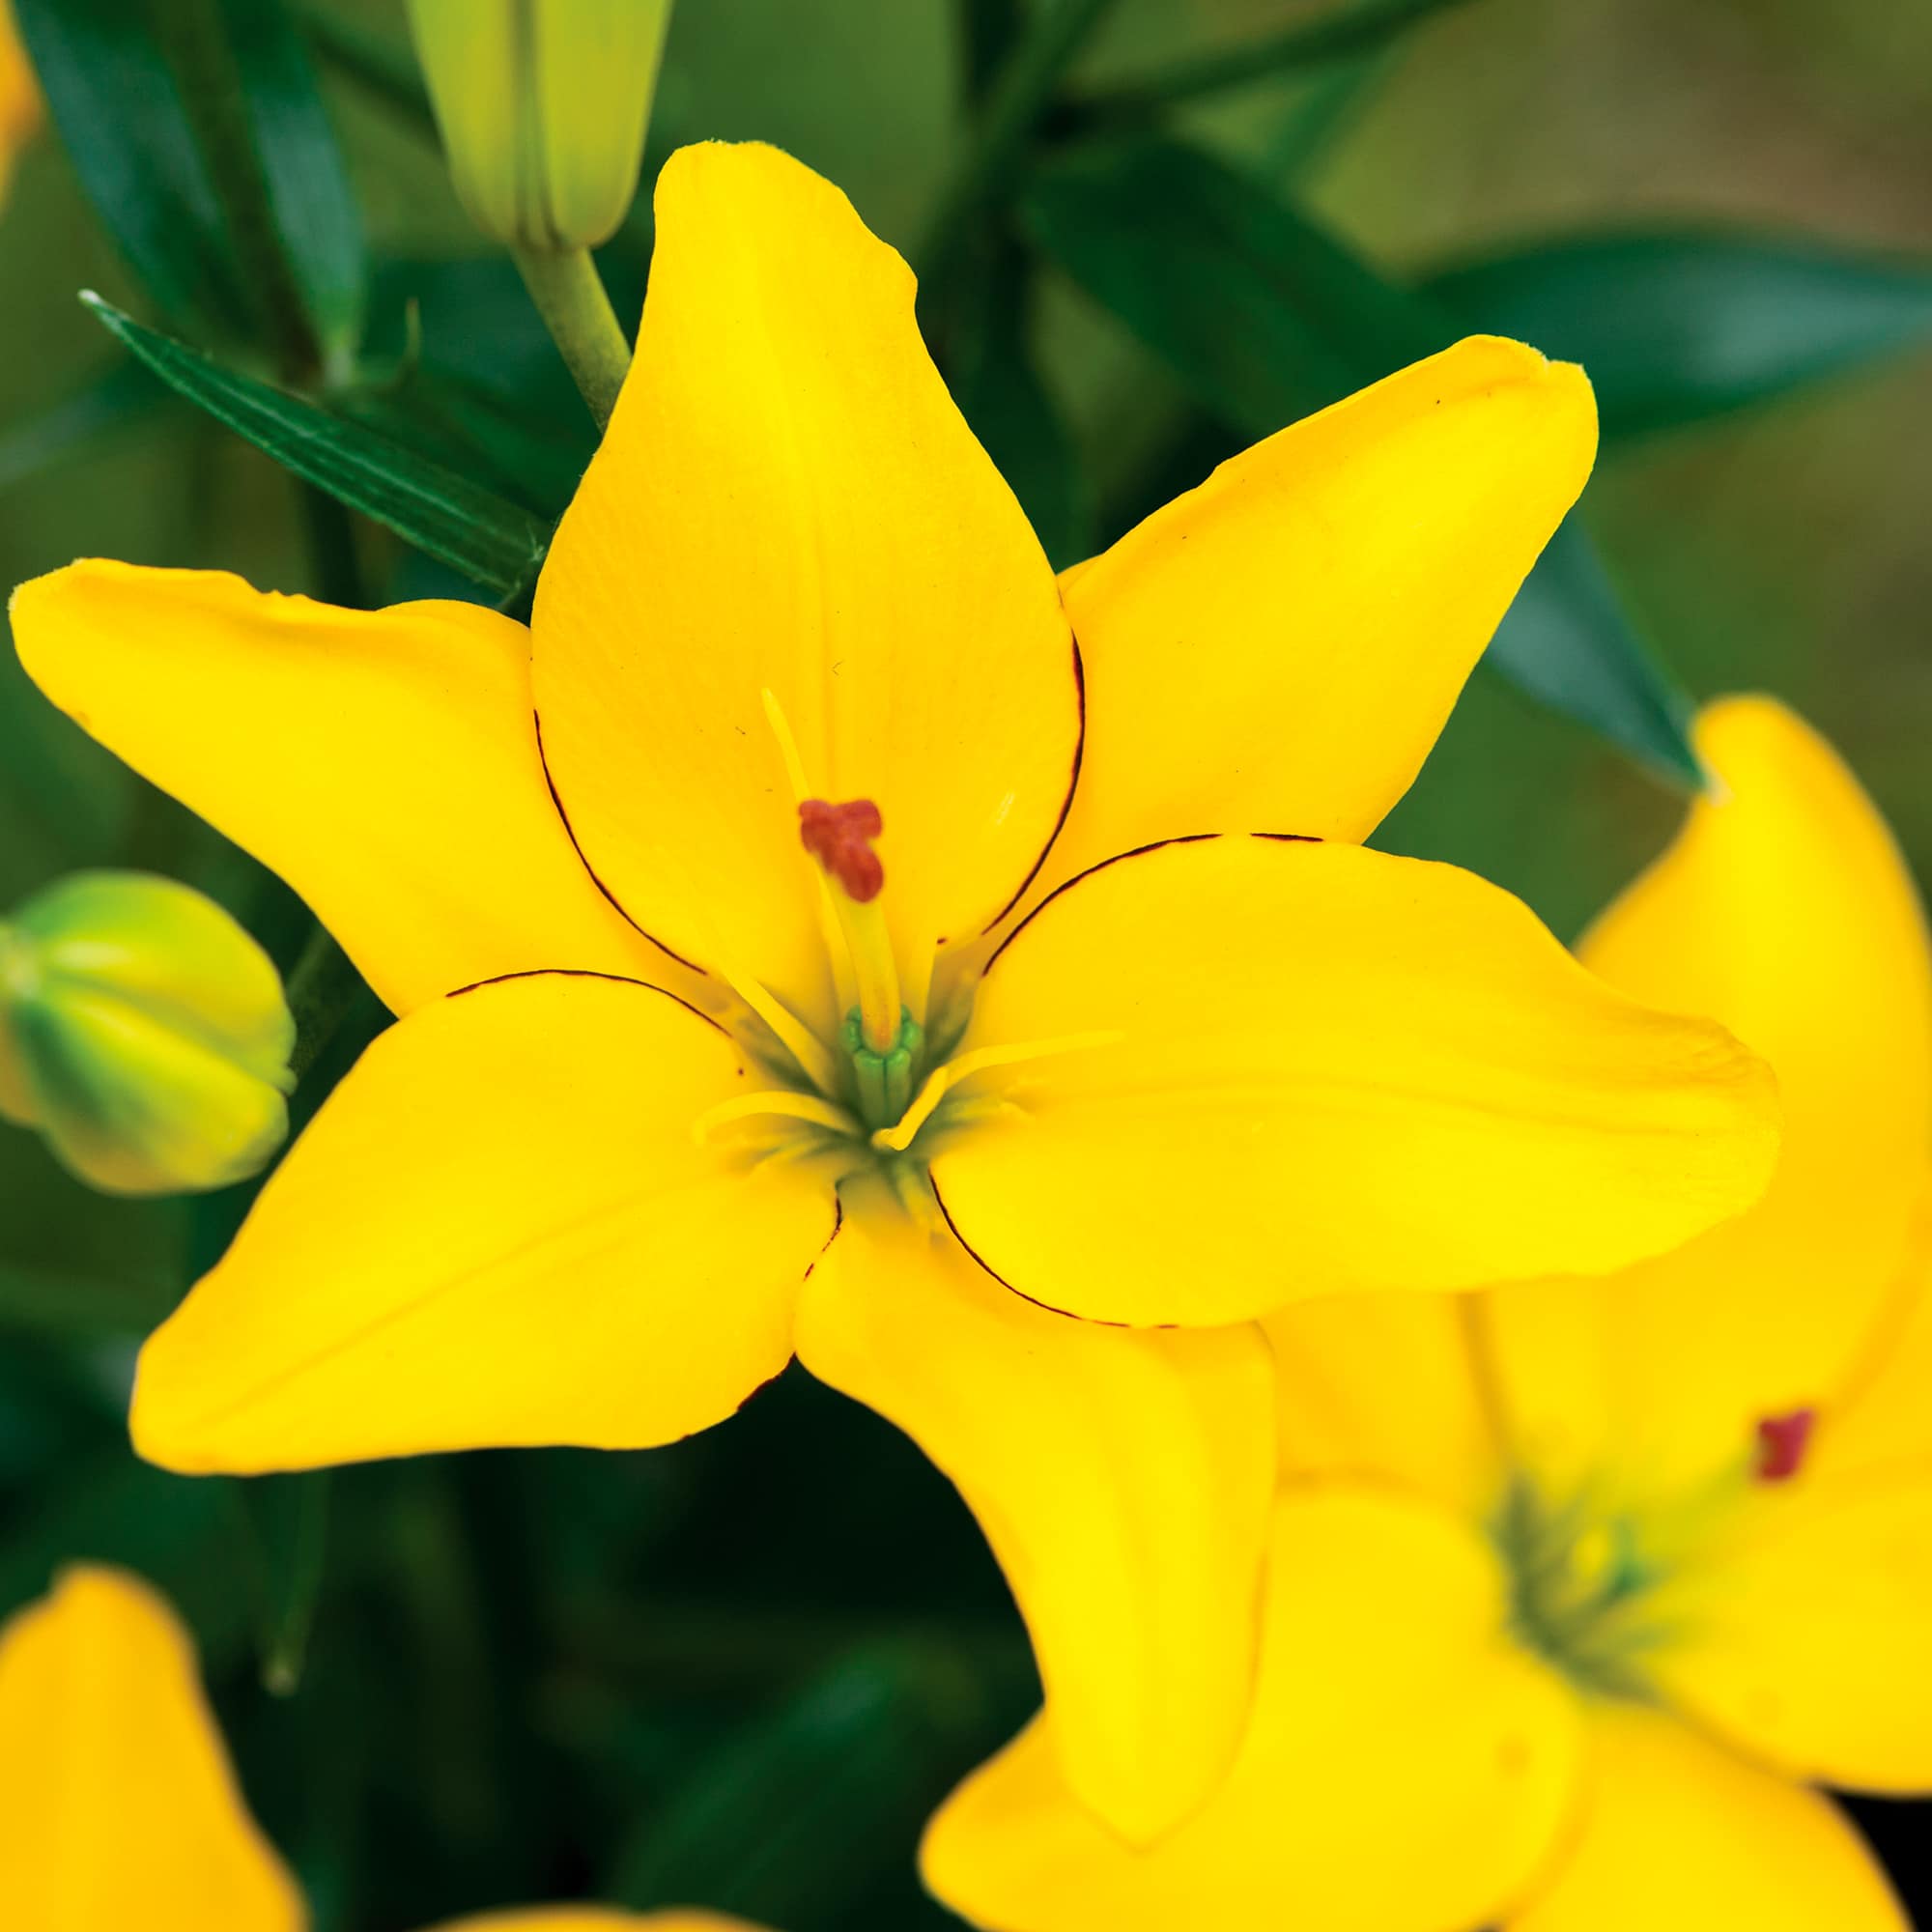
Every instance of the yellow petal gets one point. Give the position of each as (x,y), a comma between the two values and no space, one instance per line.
(1336,1069)
(1405,1771)
(117,1808)
(787,499)
(500,1230)
(1784,909)
(1122,1479)
(1808,1641)
(1881,1419)
(1276,650)
(1677,1835)
(383,762)
(1385,1385)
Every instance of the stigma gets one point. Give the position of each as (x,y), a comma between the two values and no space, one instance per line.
(1782,1443)
(840,837)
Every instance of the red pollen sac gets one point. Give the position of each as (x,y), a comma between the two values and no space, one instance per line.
(840,837)
(1782,1441)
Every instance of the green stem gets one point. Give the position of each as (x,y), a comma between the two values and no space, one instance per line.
(1337,35)
(577,311)
(1019,98)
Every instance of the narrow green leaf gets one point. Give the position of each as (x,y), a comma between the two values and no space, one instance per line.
(1265,317)
(492,542)
(198,134)
(119,109)
(1347,32)
(1676,327)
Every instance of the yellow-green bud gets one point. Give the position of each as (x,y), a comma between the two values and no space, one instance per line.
(144,1032)
(543,105)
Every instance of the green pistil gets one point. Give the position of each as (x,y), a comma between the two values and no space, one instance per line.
(1580,1590)
(883,1082)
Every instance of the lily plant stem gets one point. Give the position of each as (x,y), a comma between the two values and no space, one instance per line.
(571,298)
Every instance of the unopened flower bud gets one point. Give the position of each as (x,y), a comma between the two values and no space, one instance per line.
(543,105)
(144,1032)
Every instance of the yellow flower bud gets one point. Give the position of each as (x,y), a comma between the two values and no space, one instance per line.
(543,105)
(144,1032)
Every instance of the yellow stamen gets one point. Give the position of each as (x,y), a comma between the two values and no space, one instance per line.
(797,1038)
(869,946)
(773,1101)
(943,1079)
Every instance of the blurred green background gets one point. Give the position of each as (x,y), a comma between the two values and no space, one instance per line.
(739,1672)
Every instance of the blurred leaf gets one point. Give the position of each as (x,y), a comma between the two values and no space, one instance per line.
(46,1301)
(1266,318)
(119,396)
(290,1515)
(823,1797)
(1000,392)
(1674,329)
(492,542)
(1352,31)
(385,64)
(197,131)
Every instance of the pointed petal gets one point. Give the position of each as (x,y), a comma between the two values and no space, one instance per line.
(118,1806)
(1276,650)
(383,762)
(1677,1835)
(500,1230)
(1385,1385)
(1122,1479)
(1391,1713)
(1784,909)
(1808,1645)
(1334,1069)
(787,499)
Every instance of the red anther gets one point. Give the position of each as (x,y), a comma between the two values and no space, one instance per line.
(839,837)
(1782,1441)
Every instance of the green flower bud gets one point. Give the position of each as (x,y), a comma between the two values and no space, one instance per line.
(144,1032)
(543,105)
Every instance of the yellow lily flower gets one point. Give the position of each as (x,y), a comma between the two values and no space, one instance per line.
(1578,1587)
(118,1805)
(801,944)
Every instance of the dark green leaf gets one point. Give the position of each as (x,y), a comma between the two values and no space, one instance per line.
(196,129)
(820,1799)
(1347,31)
(1266,317)
(1677,327)
(1000,392)
(492,542)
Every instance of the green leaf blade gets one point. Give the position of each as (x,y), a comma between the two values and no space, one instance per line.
(1675,329)
(491,542)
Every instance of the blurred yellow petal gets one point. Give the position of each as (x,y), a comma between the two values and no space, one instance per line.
(1677,1835)
(383,762)
(1404,1772)
(1335,1069)
(1276,650)
(1883,1419)
(500,1230)
(1809,1643)
(1784,909)
(788,501)
(117,1808)
(1385,1385)
(1122,1479)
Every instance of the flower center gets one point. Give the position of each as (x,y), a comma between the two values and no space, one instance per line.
(1581,1588)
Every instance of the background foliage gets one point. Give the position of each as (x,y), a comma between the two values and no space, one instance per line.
(740,1671)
